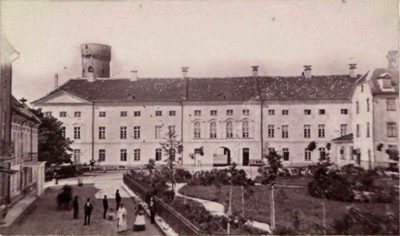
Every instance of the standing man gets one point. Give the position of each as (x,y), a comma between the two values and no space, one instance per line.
(75,206)
(117,199)
(153,210)
(88,211)
(105,206)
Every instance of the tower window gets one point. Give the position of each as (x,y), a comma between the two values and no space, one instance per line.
(86,46)
(90,69)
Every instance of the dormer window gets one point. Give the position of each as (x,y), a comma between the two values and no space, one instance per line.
(313,95)
(386,79)
(221,96)
(387,83)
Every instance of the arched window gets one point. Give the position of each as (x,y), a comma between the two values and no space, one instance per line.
(90,69)
(197,133)
(245,129)
(213,129)
(229,129)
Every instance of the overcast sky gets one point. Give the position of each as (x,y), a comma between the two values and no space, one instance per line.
(212,38)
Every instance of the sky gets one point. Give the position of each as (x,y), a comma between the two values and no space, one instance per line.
(212,38)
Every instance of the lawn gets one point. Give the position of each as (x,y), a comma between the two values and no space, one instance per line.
(257,205)
(44,219)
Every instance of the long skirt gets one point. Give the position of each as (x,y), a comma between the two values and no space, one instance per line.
(140,223)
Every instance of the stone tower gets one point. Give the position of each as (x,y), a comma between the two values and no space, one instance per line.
(393,60)
(95,60)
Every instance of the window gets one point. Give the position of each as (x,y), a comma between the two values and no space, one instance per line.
(91,69)
(387,83)
(245,112)
(362,88)
(391,129)
(271,131)
(197,133)
(171,129)
(229,112)
(390,104)
(136,113)
(307,154)
(321,111)
(77,114)
(63,114)
(172,113)
(123,155)
(102,132)
(102,114)
(122,132)
(342,153)
(229,129)
(136,154)
(285,112)
(213,129)
(158,154)
(197,113)
(357,108)
(47,114)
(124,113)
(285,131)
(136,132)
(367,104)
(391,149)
(322,153)
(63,130)
(77,132)
(307,112)
(285,154)
(271,112)
(343,129)
(358,130)
(158,132)
(368,134)
(245,129)
(158,113)
(307,131)
(77,156)
(213,113)
(271,150)
(351,153)
(343,111)
(321,131)
(102,155)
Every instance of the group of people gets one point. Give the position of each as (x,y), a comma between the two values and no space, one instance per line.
(121,215)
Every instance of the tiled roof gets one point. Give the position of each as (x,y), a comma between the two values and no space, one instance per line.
(23,110)
(345,138)
(317,87)
(375,74)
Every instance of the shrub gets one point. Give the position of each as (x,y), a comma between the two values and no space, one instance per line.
(64,198)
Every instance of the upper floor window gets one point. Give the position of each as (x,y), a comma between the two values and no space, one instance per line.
(124,113)
(47,114)
(158,113)
(307,112)
(122,132)
(102,155)
(390,104)
(136,132)
(136,113)
(362,88)
(229,129)
(197,113)
(197,130)
(271,112)
(213,112)
(158,132)
(285,131)
(229,112)
(77,114)
(172,113)
(357,130)
(171,129)
(321,111)
(213,129)
(391,129)
(285,154)
(63,131)
(271,131)
(123,155)
(136,154)
(285,112)
(343,129)
(245,129)
(77,132)
(307,131)
(102,132)
(343,111)
(245,112)
(63,114)
(368,134)
(367,104)
(91,69)
(102,114)
(357,108)
(321,131)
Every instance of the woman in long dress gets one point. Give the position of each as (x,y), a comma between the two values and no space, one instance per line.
(140,222)
(121,219)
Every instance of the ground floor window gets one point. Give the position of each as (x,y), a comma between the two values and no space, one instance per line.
(102,155)
(158,154)
(307,154)
(123,154)
(77,156)
(322,153)
(136,154)
(285,154)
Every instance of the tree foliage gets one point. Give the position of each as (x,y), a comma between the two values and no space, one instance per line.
(270,172)
(52,146)
(171,146)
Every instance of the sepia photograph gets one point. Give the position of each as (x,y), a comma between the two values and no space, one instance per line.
(199,117)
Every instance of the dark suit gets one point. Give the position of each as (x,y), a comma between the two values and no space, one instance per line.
(105,207)
(117,199)
(88,208)
(75,206)
(153,211)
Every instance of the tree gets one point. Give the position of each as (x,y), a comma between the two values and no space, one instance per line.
(171,147)
(270,172)
(52,146)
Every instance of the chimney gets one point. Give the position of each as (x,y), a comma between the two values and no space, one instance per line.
(255,70)
(185,72)
(134,74)
(307,71)
(352,70)
(393,60)
(55,81)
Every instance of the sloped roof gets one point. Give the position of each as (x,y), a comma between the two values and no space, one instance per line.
(344,138)
(317,87)
(375,74)
(23,110)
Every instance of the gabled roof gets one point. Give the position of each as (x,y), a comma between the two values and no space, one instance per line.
(344,138)
(316,87)
(372,77)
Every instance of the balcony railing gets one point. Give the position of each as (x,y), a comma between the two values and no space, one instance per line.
(6,149)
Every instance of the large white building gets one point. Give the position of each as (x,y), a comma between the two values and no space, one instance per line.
(233,119)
